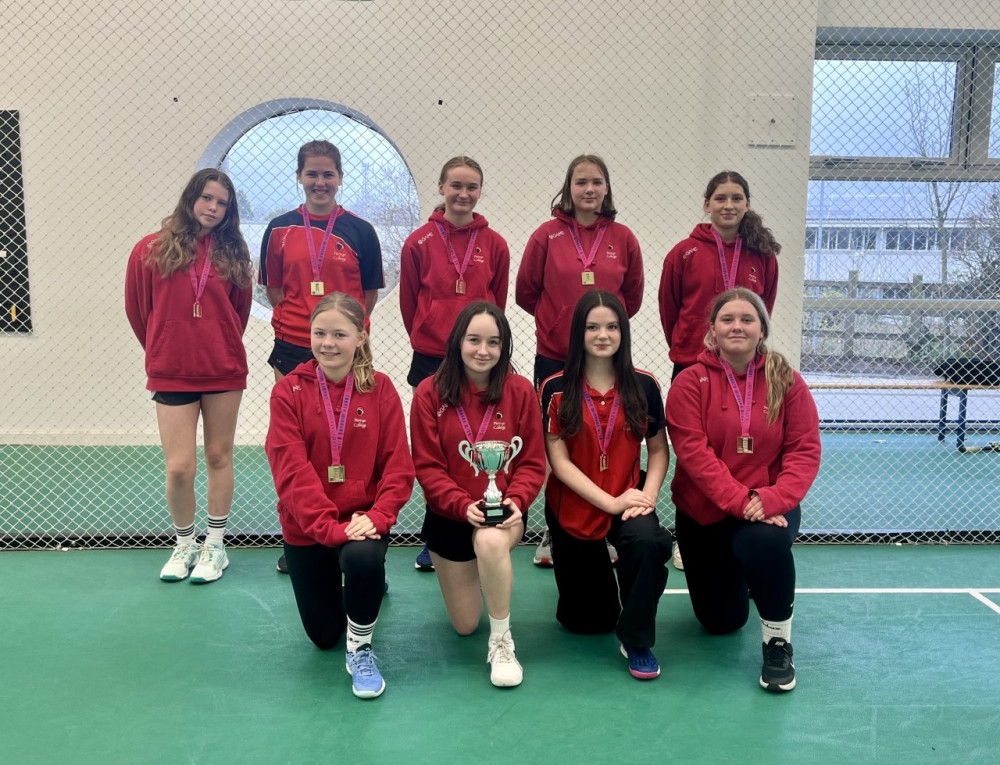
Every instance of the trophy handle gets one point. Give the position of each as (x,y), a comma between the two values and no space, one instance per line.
(465,452)
(516,444)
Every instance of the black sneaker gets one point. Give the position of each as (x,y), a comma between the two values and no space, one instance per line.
(282,565)
(778,672)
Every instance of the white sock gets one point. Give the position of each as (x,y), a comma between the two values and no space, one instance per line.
(499,626)
(358,635)
(185,535)
(216,528)
(781,630)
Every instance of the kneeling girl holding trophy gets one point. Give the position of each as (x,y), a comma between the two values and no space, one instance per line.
(480,458)
(598,412)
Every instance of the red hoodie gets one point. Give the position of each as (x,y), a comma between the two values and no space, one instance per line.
(549,280)
(691,280)
(376,460)
(427,277)
(184,353)
(448,480)
(711,480)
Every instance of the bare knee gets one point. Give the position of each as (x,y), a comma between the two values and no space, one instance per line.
(491,544)
(218,458)
(181,472)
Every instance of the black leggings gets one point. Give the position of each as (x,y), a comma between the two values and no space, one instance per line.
(728,562)
(590,600)
(316,571)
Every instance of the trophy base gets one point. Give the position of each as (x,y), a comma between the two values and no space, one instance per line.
(495,514)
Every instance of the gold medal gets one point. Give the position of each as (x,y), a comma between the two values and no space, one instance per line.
(603,464)
(744,445)
(587,277)
(196,310)
(335,474)
(460,287)
(316,288)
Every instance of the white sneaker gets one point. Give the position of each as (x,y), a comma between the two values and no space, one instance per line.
(678,563)
(505,670)
(543,555)
(180,563)
(612,552)
(211,564)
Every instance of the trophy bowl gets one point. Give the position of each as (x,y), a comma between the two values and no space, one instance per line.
(491,457)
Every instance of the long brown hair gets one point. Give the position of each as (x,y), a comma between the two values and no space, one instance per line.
(756,236)
(633,398)
(777,370)
(362,366)
(177,245)
(450,378)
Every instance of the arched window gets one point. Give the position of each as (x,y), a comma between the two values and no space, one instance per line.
(258,150)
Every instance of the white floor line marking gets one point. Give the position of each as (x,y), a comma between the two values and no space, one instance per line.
(974,592)
(985,601)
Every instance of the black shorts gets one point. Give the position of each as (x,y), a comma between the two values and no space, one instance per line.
(181,398)
(421,367)
(285,356)
(452,540)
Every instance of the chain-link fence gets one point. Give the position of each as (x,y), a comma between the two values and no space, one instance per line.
(885,201)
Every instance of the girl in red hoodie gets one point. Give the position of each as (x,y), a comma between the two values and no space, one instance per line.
(581,249)
(745,431)
(188,290)
(342,471)
(733,250)
(475,396)
(451,261)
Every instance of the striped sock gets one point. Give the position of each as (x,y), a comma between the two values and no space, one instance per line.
(185,535)
(216,528)
(358,635)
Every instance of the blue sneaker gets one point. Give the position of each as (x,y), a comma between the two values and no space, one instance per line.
(641,663)
(366,679)
(424,562)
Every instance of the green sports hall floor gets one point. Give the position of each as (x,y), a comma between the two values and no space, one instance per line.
(896,652)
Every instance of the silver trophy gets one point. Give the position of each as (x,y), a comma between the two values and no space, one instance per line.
(491,457)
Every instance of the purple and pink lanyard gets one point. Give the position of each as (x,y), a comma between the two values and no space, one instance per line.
(336,473)
(744,403)
(482,426)
(728,280)
(459,268)
(588,260)
(198,285)
(316,261)
(603,436)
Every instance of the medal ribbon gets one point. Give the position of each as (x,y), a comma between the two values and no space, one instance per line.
(336,431)
(744,402)
(587,261)
(198,285)
(317,262)
(603,437)
(451,250)
(482,426)
(728,281)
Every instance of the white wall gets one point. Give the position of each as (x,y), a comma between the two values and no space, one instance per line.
(118,102)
